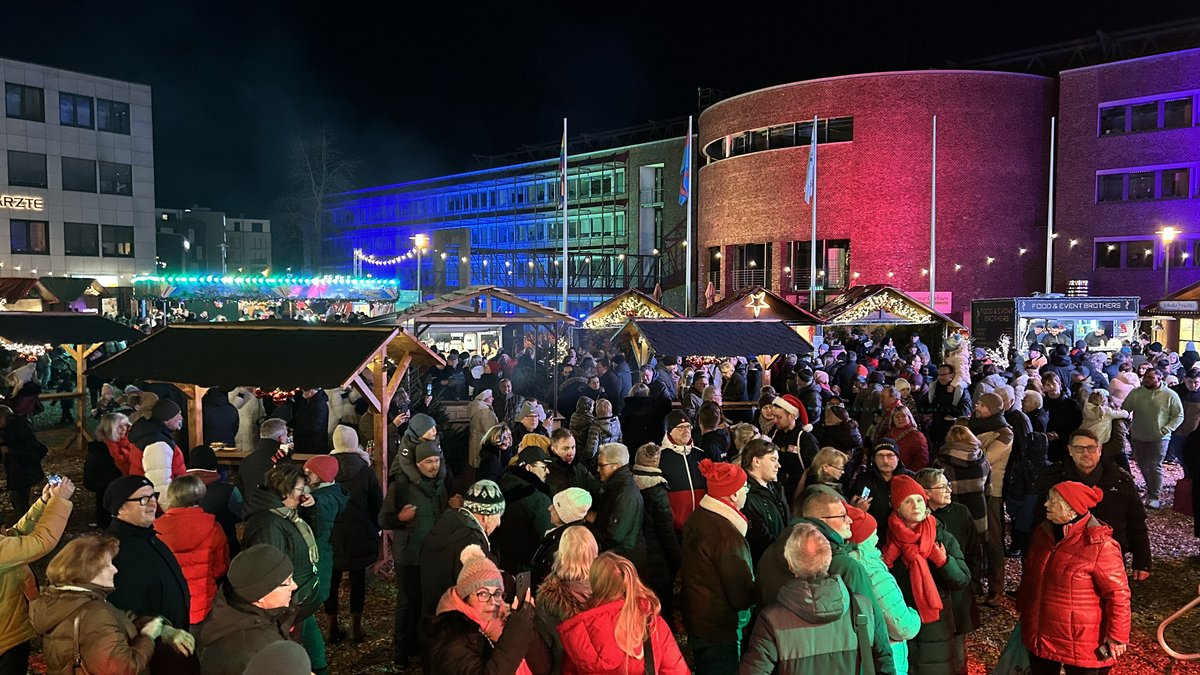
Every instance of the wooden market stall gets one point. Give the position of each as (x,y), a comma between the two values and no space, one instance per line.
(275,354)
(885,311)
(25,295)
(762,304)
(630,304)
(78,334)
(718,338)
(1175,319)
(78,294)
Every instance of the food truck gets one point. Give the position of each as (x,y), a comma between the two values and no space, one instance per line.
(1102,323)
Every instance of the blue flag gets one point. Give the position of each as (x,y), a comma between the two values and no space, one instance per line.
(685,171)
(810,182)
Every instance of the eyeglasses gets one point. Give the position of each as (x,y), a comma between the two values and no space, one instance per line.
(844,516)
(604,464)
(484,596)
(145,500)
(1085,449)
(940,488)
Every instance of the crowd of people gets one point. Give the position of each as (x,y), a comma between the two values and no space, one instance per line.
(847,517)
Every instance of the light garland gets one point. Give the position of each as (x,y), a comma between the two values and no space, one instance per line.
(256,280)
(372,260)
(279,396)
(30,352)
(885,303)
(628,308)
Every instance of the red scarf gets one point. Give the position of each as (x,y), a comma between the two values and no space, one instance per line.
(915,547)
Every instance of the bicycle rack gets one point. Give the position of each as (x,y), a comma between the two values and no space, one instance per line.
(1162,627)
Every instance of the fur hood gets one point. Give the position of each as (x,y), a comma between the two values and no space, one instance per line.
(561,599)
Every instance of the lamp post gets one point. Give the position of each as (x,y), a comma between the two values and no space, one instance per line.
(422,241)
(1168,235)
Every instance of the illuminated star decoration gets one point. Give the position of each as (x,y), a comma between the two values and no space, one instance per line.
(758,302)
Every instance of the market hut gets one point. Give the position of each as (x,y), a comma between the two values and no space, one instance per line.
(885,311)
(79,294)
(25,295)
(34,333)
(616,311)
(234,296)
(762,304)
(711,338)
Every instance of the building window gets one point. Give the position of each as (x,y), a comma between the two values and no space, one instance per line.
(112,116)
(1174,184)
(1141,185)
(1144,117)
(256,227)
(1171,182)
(714,267)
(1111,188)
(1177,113)
(1108,255)
(116,179)
(78,175)
(752,266)
(26,169)
(81,239)
(75,110)
(24,103)
(118,241)
(793,134)
(1145,252)
(833,265)
(1112,120)
(1170,111)
(1139,253)
(30,236)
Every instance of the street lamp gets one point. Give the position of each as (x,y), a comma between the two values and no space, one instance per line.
(1168,235)
(421,241)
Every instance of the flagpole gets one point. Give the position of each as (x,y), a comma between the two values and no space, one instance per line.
(1050,213)
(933,224)
(812,247)
(687,298)
(562,180)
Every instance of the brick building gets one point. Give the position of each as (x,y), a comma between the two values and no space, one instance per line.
(874,184)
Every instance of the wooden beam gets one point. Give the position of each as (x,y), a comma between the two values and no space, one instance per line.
(396,378)
(365,389)
(195,413)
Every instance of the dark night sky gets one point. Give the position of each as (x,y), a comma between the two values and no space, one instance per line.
(413,90)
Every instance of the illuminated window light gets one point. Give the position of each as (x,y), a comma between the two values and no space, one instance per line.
(443,256)
(717,254)
(787,269)
(485,262)
(1185,255)
(1112,247)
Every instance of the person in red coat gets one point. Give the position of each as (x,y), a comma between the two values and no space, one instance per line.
(197,540)
(624,618)
(912,444)
(1074,595)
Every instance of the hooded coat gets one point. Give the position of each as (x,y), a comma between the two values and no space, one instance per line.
(1120,386)
(602,430)
(236,631)
(590,649)
(766,512)
(717,575)
(355,535)
(221,418)
(202,551)
(969,474)
(265,526)
(680,465)
(108,643)
(406,457)
(330,502)
(482,418)
(430,497)
(902,621)
(439,556)
(658,529)
(310,423)
(556,601)
(526,519)
(581,421)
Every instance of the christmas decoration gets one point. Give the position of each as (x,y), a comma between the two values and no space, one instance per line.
(628,308)
(279,396)
(883,302)
(372,260)
(29,352)
(1000,355)
(758,302)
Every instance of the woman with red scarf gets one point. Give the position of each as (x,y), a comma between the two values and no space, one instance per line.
(1074,595)
(927,564)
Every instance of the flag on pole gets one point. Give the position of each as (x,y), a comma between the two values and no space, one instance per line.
(685,171)
(810,182)
(562,169)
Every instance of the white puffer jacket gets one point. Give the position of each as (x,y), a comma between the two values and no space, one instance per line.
(156,464)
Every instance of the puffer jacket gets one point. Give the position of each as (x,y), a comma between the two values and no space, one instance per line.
(109,643)
(482,418)
(1074,594)
(199,545)
(969,475)
(602,430)
(680,465)
(581,421)
(526,519)
(996,437)
(355,536)
(156,465)
(458,645)
(662,546)
(590,648)
(902,621)
(33,537)
(557,601)
(1120,386)
(330,502)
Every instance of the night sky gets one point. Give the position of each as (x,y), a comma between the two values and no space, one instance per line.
(414,90)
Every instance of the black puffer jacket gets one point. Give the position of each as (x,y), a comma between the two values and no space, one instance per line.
(662,544)
(526,519)
(355,535)
(644,420)
(459,647)
(310,423)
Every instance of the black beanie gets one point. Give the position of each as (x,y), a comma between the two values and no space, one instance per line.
(119,490)
(202,457)
(257,571)
(165,409)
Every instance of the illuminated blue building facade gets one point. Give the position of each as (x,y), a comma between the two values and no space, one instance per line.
(503,226)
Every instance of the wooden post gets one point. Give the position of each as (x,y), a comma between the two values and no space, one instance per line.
(195,413)
(80,353)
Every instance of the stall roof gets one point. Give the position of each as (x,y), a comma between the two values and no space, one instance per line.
(1185,301)
(629,304)
(69,289)
(14,289)
(761,303)
(716,337)
(62,328)
(267,354)
(880,304)
(474,305)
(255,287)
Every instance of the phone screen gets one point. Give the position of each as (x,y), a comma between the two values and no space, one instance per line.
(523,581)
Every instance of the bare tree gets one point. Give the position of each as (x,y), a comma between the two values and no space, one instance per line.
(316,170)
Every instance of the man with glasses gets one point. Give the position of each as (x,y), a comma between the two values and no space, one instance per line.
(1157,412)
(149,581)
(1120,509)
(620,509)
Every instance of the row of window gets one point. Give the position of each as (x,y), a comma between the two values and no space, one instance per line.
(791,135)
(1173,112)
(1144,252)
(32,237)
(1162,183)
(580,226)
(23,102)
(28,169)
(751,264)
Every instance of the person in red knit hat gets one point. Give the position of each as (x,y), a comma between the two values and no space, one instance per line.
(794,437)
(1074,595)
(927,564)
(717,574)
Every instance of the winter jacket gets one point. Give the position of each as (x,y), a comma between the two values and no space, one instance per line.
(1065,416)
(250,412)
(902,621)
(458,645)
(580,423)
(611,384)
(717,577)
(430,497)
(996,438)
(255,466)
(108,642)
(932,651)
(556,601)
(265,525)
(547,551)
(1099,420)
(565,475)
(590,649)
(330,502)
(1061,366)
(644,420)
(658,529)
(146,431)
(716,444)
(1156,413)
(224,501)
(1121,509)
(149,581)
(619,515)
(812,628)
(23,461)
(956,519)
(1120,386)
(945,405)
(845,436)
(969,474)
(1074,594)
(602,430)
(913,447)
(221,418)
(160,463)
(881,492)
(310,423)
(236,631)
(355,535)
(482,418)
(493,460)
(120,452)
(680,465)
(200,548)
(766,512)
(439,556)
(32,538)
(526,519)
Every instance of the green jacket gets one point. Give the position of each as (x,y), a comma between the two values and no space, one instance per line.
(430,497)
(767,511)
(934,650)
(957,520)
(811,629)
(331,500)
(1156,413)
(265,526)
(903,621)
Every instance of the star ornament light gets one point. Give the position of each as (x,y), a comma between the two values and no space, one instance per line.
(758,302)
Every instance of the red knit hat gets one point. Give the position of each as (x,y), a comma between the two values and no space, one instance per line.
(794,406)
(904,487)
(325,466)
(1081,497)
(862,524)
(723,478)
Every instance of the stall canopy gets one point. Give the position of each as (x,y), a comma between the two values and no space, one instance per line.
(77,292)
(475,305)
(711,337)
(763,304)
(631,304)
(257,287)
(25,294)
(1183,302)
(881,304)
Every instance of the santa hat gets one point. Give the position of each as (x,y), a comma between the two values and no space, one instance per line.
(904,487)
(862,524)
(724,479)
(1080,497)
(793,405)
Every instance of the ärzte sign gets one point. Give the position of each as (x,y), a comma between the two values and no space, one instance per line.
(20,203)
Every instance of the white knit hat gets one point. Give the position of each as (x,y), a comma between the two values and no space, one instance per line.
(572,504)
(345,439)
